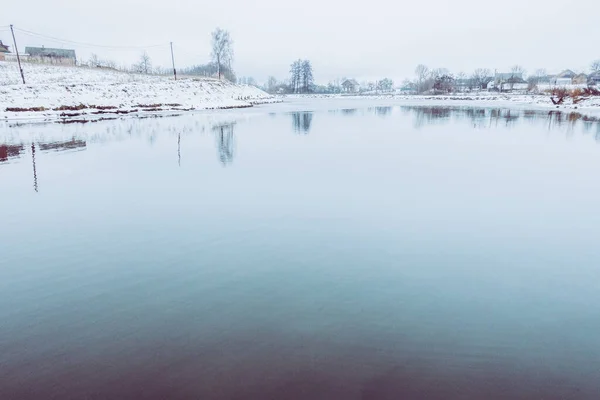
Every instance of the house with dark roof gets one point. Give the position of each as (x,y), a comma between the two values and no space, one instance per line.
(507,81)
(567,77)
(48,55)
(594,78)
(3,50)
(567,73)
(350,86)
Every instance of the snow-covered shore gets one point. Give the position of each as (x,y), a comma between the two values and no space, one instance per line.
(589,106)
(55,92)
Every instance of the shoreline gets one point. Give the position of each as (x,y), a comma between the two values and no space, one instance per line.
(95,113)
(69,93)
(589,106)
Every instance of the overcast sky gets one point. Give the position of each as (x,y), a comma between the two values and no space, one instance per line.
(365,40)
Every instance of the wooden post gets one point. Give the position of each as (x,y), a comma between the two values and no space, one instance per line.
(17,51)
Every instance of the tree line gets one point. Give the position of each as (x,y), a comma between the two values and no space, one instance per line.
(301,76)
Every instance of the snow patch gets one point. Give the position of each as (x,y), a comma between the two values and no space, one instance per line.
(54,92)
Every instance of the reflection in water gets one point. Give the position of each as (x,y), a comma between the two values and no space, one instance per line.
(10,151)
(382,111)
(429,115)
(35,182)
(225,142)
(72,144)
(272,319)
(77,139)
(302,121)
(488,117)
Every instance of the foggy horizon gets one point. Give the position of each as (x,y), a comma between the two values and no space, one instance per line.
(364,43)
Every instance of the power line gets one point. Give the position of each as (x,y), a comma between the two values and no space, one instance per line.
(83,44)
(180,49)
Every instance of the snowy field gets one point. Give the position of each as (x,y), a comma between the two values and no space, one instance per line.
(62,92)
(82,91)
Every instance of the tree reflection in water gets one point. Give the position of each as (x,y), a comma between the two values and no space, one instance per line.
(382,111)
(225,142)
(488,117)
(302,122)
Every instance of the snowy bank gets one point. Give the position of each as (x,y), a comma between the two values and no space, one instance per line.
(588,106)
(55,92)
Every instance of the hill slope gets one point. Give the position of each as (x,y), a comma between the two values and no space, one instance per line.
(61,91)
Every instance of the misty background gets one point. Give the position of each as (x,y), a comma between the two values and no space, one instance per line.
(363,40)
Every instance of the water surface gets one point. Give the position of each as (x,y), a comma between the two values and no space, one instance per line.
(349,252)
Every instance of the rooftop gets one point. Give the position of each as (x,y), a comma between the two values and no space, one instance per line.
(3,48)
(49,52)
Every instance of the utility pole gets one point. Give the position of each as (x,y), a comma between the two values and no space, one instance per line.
(173,59)
(17,51)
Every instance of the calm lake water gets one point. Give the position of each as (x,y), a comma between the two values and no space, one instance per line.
(337,252)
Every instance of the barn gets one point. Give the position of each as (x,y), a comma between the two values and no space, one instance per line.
(48,55)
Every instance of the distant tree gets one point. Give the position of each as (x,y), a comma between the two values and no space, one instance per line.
(540,73)
(306,74)
(296,76)
(422,72)
(385,85)
(94,60)
(461,77)
(532,83)
(209,69)
(517,70)
(596,66)
(271,84)
(534,80)
(437,72)
(444,83)
(109,64)
(408,85)
(222,50)
(369,86)
(144,66)
(481,77)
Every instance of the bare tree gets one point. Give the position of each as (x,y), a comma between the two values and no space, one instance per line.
(296,76)
(271,84)
(540,73)
(144,66)
(596,66)
(222,49)
(517,73)
(408,85)
(481,77)
(109,64)
(422,72)
(461,77)
(94,60)
(306,73)
(438,72)
(517,70)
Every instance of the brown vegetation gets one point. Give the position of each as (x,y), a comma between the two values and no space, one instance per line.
(71,108)
(558,95)
(19,109)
